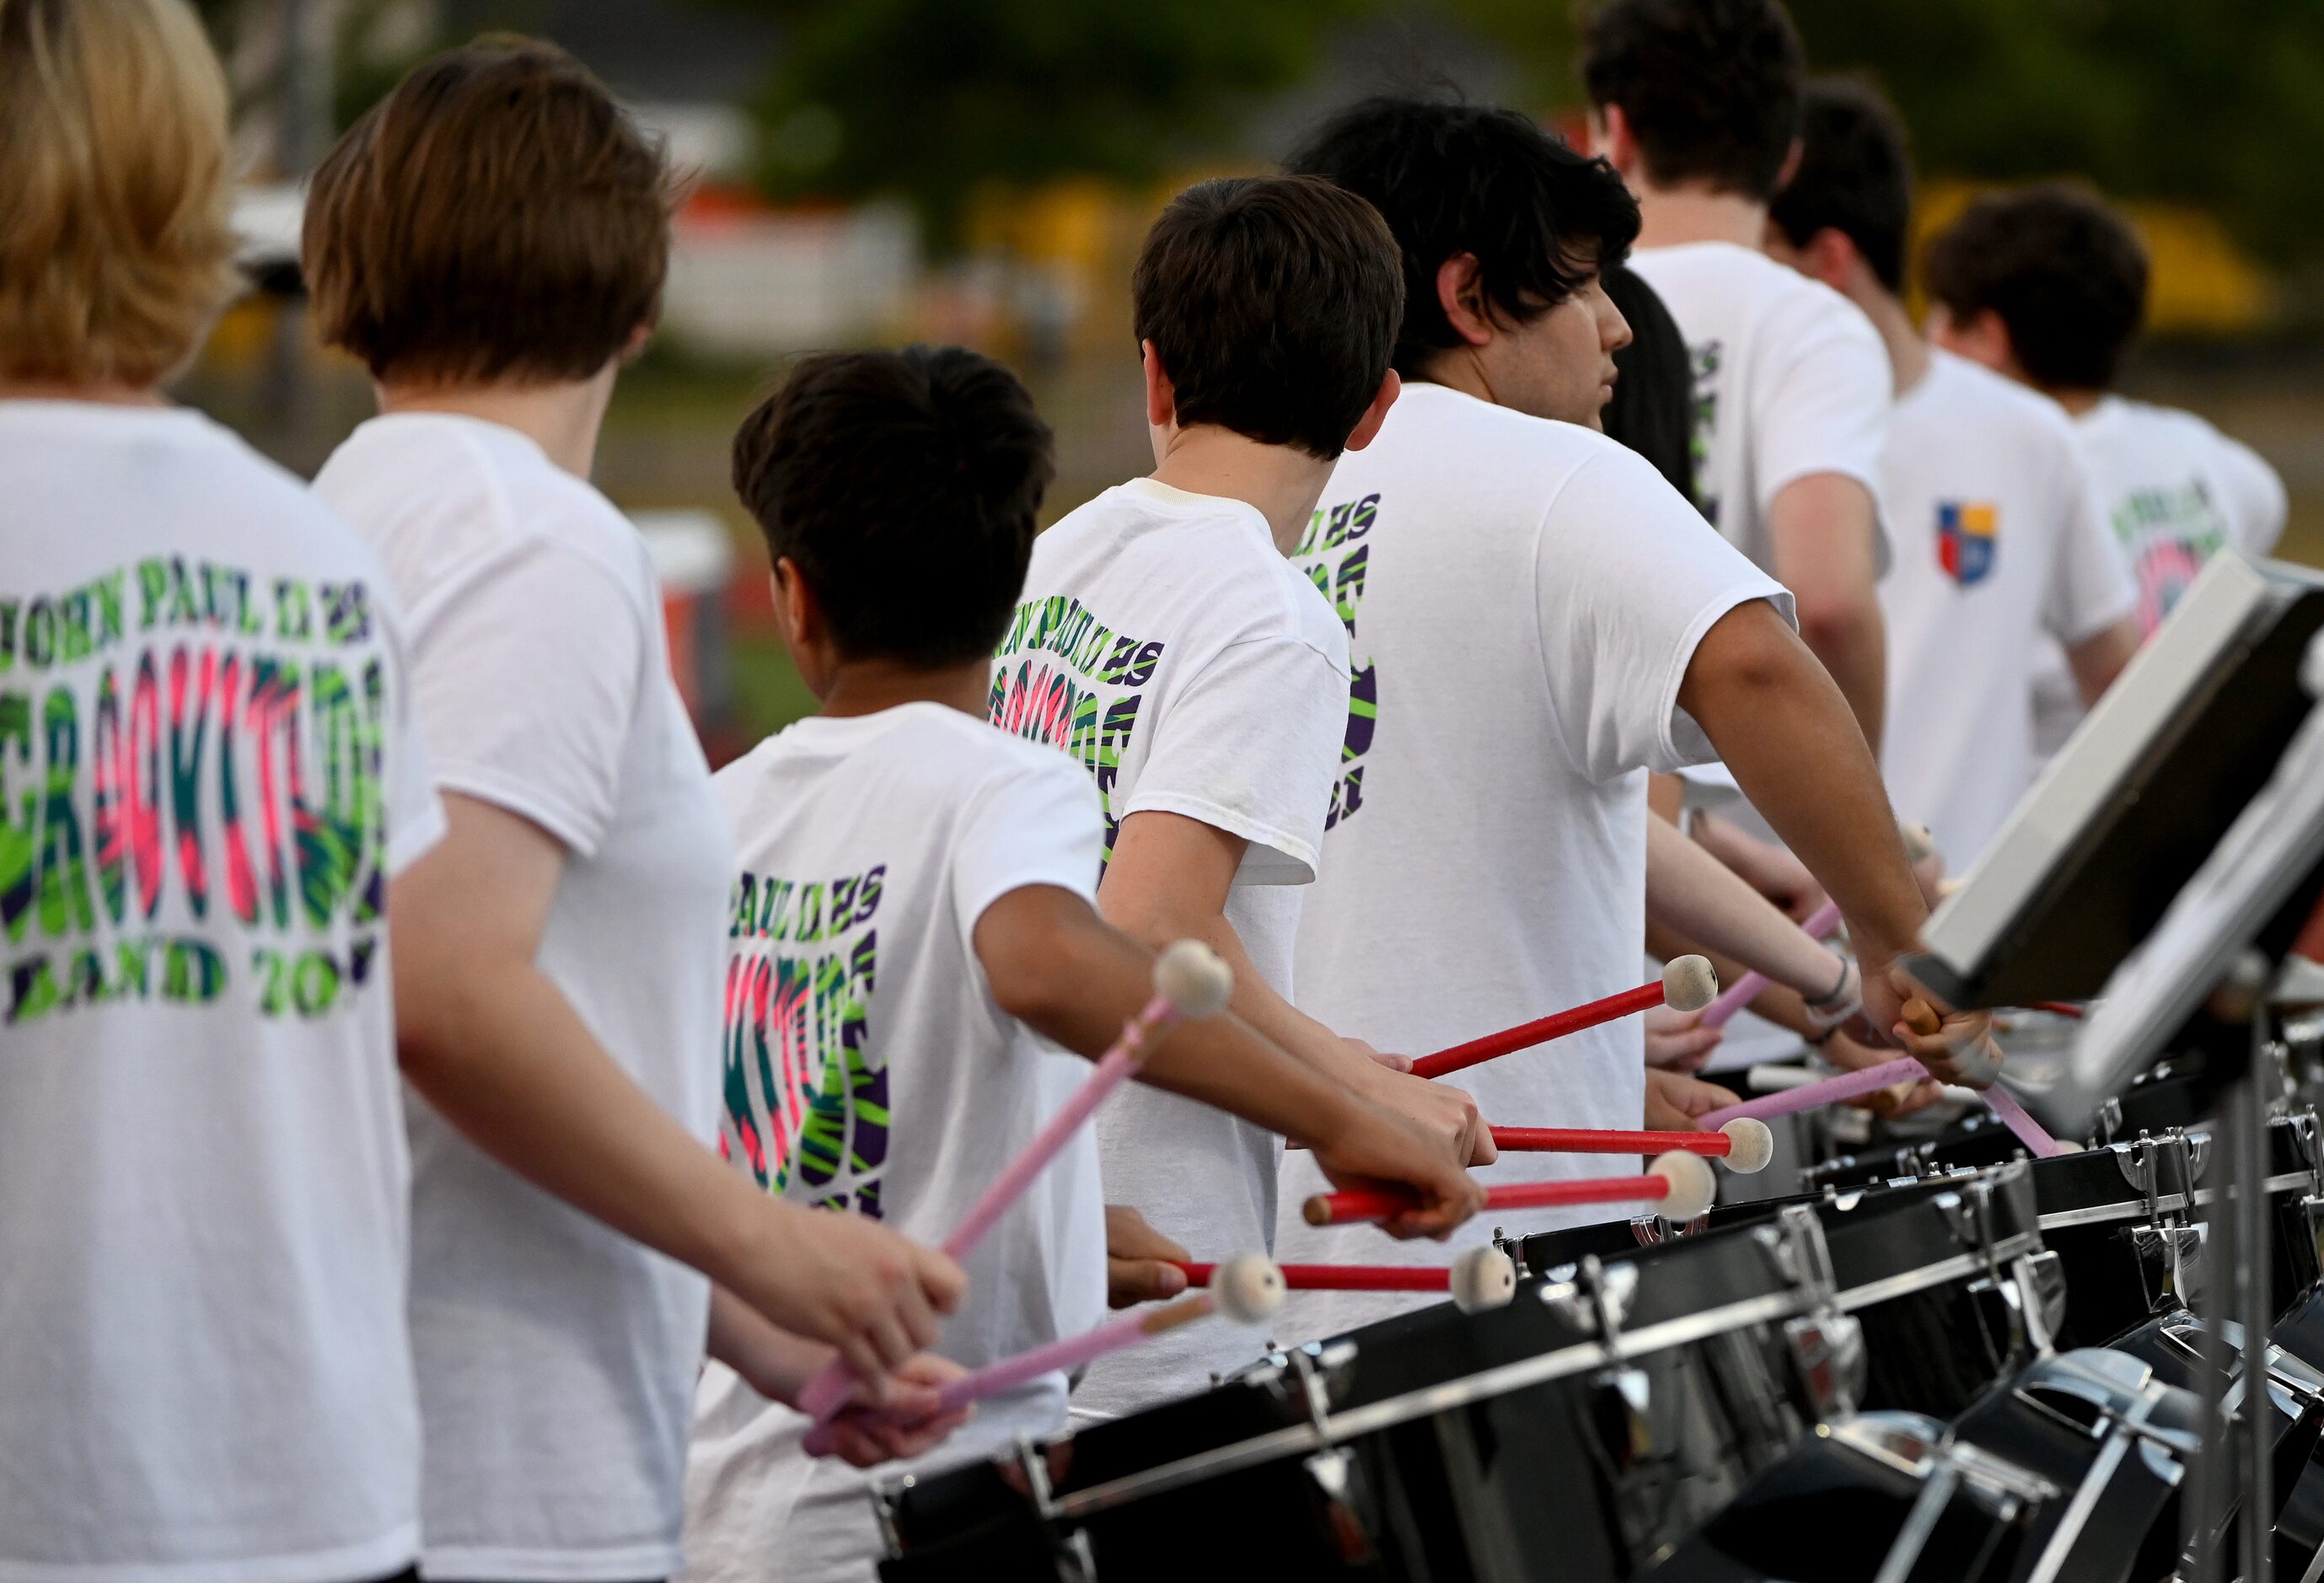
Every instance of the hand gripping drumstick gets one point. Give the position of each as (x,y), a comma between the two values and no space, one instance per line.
(1680,1181)
(1922,1019)
(1246,1289)
(1189,981)
(1746,1145)
(1688,983)
(1482,1277)
(1919,846)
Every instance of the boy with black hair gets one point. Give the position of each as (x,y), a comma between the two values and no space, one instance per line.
(1167,643)
(923,884)
(1999,536)
(2048,286)
(1696,102)
(1540,621)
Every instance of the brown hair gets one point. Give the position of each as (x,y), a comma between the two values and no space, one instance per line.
(1273,304)
(116,249)
(496,216)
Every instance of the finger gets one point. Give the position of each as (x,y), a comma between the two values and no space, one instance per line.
(1482,1151)
(1710,1096)
(894,1345)
(862,1358)
(919,1321)
(1393,1063)
(942,1282)
(1133,1281)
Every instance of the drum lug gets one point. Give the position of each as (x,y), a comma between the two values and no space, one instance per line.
(2107,1122)
(1339,1480)
(2039,1279)
(1608,1293)
(2170,1259)
(1827,1349)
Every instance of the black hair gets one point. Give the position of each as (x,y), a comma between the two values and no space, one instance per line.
(1273,304)
(1652,408)
(1451,179)
(1855,177)
(1710,89)
(904,486)
(2066,274)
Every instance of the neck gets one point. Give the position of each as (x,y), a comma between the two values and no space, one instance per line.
(1669,215)
(107,395)
(1282,482)
(562,418)
(866,686)
(1908,353)
(2077,399)
(1457,372)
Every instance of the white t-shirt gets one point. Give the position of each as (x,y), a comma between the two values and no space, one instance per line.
(557,1358)
(207,774)
(2175,489)
(1790,381)
(1166,644)
(2000,544)
(869,1069)
(1523,598)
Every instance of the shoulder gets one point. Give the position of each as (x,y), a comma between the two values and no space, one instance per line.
(1812,318)
(1968,388)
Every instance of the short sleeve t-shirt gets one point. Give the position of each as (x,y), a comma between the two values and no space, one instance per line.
(1167,646)
(1790,381)
(557,1358)
(868,1069)
(2175,491)
(208,775)
(2000,544)
(1522,599)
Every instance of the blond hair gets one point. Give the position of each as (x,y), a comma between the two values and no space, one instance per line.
(116,248)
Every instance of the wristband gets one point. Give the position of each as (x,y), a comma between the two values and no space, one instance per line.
(1846,1000)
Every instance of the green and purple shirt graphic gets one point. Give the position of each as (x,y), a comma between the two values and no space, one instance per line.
(191,791)
(1333,557)
(805,1108)
(1066,679)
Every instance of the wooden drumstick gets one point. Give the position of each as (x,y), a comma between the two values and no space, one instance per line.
(1190,980)
(1688,983)
(1922,1019)
(1680,1181)
(1480,1277)
(1746,1145)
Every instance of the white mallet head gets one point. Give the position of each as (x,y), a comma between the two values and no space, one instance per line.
(1691,1185)
(1690,983)
(1750,1145)
(1193,978)
(1920,841)
(1482,1278)
(1248,1288)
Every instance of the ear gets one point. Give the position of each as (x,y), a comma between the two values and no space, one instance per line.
(1462,295)
(1790,164)
(795,605)
(636,346)
(1368,427)
(1611,140)
(1832,258)
(1161,395)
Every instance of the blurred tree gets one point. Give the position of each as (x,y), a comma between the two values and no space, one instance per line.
(925,99)
(2219,104)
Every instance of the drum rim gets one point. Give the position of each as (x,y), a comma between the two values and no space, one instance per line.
(1332,1429)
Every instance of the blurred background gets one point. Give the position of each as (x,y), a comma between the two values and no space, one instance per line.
(880,171)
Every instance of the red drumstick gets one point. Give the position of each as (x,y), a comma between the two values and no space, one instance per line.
(1745,1146)
(1481,1277)
(2059,1009)
(1680,1181)
(1688,983)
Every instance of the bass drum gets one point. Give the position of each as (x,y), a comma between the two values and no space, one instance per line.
(1582,1431)
(1948,1279)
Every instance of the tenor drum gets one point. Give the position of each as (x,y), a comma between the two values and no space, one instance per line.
(1948,1279)
(1583,1431)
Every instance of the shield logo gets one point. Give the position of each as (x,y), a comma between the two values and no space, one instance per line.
(1965,540)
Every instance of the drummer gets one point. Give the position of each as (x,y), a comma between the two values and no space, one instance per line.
(1539,620)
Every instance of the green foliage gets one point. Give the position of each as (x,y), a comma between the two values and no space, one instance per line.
(2218,103)
(925,99)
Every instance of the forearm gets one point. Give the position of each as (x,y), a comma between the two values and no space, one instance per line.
(1781,1006)
(526,1082)
(1694,894)
(1099,978)
(1779,722)
(772,1361)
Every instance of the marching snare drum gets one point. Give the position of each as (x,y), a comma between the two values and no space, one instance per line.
(1581,1432)
(1948,1279)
